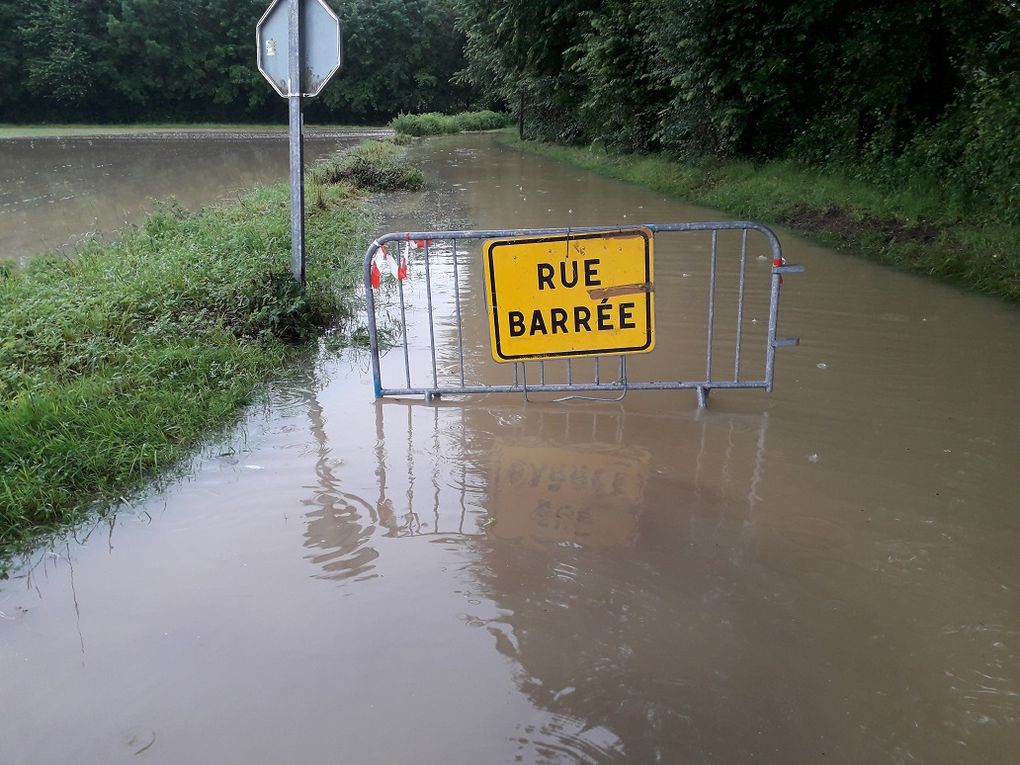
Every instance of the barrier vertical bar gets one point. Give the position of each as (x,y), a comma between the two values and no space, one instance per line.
(711,305)
(432,324)
(373,335)
(403,331)
(770,343)
(456,293)
(740,302)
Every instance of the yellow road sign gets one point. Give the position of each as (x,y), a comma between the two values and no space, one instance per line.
(571,295)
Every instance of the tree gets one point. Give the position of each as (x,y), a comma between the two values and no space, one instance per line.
(400,55)
(60,49)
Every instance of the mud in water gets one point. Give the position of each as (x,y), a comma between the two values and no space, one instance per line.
(826,573)
(57,191)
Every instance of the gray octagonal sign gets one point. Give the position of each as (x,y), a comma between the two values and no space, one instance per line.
(321,46)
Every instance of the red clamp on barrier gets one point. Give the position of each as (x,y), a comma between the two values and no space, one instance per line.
(776,262)
(382,262)
(375,274)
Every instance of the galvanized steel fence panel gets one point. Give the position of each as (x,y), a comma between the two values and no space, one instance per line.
(458,381)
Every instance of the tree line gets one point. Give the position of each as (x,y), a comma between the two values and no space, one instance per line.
(918,90)
(897,91)
(187,60)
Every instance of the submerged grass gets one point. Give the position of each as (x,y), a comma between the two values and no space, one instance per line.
(117,363)
(915,228)
(378,166)
(434,123)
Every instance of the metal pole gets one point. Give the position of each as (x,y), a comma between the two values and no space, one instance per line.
(297,190)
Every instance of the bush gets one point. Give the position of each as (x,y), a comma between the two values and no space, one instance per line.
(975,150)
(483,120)
(372,166)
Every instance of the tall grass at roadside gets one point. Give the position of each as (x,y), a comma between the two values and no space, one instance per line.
(434,123)
(116,364)
(915,229)
(376,166)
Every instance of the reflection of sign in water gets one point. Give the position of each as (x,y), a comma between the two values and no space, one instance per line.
(585,494)
(576,295)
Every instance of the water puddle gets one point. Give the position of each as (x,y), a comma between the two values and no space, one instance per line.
(56,191)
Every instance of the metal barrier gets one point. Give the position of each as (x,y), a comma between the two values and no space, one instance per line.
(457,378)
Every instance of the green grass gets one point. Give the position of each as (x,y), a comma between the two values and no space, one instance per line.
(916,228)
(377,166)
(434,123)
(116,364)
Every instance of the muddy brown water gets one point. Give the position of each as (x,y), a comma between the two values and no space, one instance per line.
(826,573)
(55,192)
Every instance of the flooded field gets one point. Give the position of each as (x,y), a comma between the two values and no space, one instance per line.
(826,573)
(56,191)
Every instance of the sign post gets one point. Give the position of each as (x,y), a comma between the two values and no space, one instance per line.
(297,143)
(300,47)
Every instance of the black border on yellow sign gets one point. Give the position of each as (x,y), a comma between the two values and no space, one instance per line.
(494,307)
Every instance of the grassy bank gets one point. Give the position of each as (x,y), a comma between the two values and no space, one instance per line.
(434,123)
(916,229)
(115,364)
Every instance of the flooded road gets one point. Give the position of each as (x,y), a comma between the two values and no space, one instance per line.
(826,573)
(56,191)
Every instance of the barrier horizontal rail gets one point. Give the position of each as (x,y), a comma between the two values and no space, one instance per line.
(621,383)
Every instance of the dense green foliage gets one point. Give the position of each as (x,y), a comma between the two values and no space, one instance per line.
(116,363)
(914,92)
(108,60)
(909,228)
(435,123)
